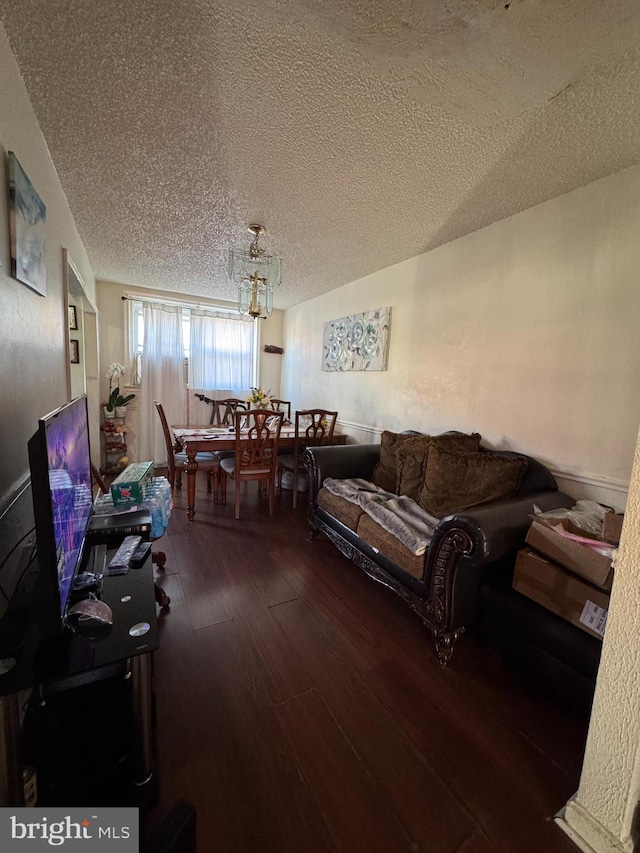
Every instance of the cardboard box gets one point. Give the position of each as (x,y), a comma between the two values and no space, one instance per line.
(129,487)
(584,561)
(612,527)
(562,592)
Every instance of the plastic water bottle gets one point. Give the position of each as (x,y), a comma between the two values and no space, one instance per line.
(156,493)
(164,491)
(153,505)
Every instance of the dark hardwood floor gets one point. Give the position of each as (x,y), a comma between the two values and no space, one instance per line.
(301,706)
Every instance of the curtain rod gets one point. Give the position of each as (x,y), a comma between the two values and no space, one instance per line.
(134,297)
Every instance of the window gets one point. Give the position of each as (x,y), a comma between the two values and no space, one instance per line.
(219,347)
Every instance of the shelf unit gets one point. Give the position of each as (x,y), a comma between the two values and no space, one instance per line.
(114,444)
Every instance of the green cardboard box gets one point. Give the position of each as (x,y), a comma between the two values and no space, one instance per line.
(129,487)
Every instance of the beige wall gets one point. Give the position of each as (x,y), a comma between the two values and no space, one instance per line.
(32,343)
(113,347)
(525,331)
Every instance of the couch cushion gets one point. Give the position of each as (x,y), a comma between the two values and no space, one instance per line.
(412,458)
(385,473)
(346,512)
(456,480)
(376,536)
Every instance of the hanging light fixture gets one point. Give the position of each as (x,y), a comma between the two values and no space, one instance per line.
(256,273)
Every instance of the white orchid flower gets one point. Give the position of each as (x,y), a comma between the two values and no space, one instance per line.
(115,369)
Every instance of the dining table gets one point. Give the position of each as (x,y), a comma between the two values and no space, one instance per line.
(205,439)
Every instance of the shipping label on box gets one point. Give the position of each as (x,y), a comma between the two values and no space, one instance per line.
(561,591)
(594,617)
(582,560)
(130,486)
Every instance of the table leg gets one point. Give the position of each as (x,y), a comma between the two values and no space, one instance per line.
(191,469)
(143,717)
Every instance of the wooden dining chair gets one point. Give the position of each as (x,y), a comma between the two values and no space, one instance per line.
(313,427)
(282,406)
(255,455)
(225,410)
(177,460)
(98,480)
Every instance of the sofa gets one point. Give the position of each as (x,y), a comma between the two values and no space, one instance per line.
(479,501)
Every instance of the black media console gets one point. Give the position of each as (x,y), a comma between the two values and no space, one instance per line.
(91,703)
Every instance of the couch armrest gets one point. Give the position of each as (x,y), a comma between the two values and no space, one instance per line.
(339,461)
(466,543)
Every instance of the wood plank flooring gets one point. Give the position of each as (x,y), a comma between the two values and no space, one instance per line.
(301,707)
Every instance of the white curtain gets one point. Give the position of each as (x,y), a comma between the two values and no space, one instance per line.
(220,351)
(163,378)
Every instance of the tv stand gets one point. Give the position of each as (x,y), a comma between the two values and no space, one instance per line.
(59,672)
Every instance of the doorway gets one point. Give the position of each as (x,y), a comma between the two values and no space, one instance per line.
(82,365)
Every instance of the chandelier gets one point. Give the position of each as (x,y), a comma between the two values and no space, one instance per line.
(256,273)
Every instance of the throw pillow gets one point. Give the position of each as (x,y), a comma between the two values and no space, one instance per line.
(412,458)
(456,480)
(385,474)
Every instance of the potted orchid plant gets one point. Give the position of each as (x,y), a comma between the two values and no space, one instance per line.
(116,405)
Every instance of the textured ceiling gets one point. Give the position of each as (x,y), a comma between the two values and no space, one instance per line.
(360,132)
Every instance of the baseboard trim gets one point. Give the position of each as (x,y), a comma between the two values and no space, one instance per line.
(14,493)
(573,835)
(592,480)
(593,486)
(360,427)
(582,825)
(595,480)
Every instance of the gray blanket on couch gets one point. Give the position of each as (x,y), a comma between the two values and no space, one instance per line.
(397,514)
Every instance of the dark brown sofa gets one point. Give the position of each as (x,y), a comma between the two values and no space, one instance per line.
(467,547)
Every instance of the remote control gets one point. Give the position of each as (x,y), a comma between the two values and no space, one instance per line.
(140,555)
(119,563)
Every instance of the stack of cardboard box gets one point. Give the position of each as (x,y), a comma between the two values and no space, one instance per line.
(566,576)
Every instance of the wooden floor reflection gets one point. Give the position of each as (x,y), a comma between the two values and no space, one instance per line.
(301,707)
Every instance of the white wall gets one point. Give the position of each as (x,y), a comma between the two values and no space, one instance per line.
(525,331)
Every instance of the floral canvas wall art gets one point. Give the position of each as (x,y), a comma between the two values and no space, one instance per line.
(357,342)
(27,217)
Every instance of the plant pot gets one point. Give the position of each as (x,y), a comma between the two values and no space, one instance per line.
(121,411)
(109,414)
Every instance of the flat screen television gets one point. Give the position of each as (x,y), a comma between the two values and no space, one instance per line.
(60,465)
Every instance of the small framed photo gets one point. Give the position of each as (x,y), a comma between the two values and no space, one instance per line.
(74,350)
(73,317)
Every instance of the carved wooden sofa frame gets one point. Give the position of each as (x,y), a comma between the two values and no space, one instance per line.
(466,546)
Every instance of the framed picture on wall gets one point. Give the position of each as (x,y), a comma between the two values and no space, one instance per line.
(357,342)
(27,221)
(73,317)
(74,349)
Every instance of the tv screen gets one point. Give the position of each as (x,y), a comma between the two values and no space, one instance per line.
(60,464)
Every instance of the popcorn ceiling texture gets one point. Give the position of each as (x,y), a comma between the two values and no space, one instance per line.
(360,133)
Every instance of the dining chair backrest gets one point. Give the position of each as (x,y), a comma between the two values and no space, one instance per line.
(281,406)
(171,459)
(226,409)
(98,480)
(257,438)
(256,453)
(313,427)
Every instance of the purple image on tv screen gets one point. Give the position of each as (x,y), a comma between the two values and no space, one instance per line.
(70,485)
